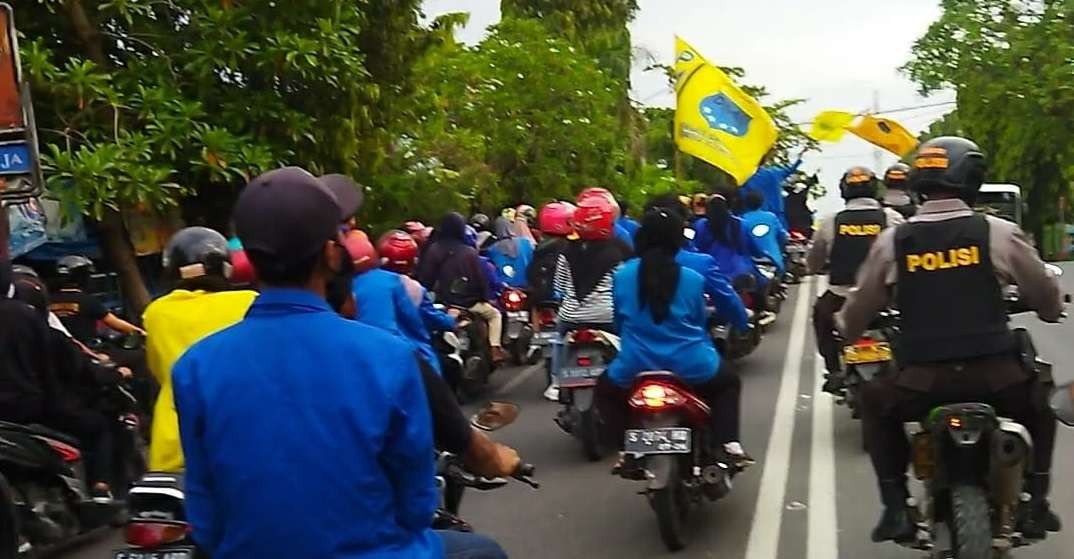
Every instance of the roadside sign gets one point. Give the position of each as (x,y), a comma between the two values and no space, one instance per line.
(15,159)
(11,116)
(20,167)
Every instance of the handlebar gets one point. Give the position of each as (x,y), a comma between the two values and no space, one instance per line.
(450,466)
(525,475)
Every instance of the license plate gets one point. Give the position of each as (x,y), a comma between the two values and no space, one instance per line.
(546,337)
(174,553)
(520,316)
(574,377)
(666,440)
(878,352)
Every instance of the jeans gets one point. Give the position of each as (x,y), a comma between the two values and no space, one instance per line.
(465,545)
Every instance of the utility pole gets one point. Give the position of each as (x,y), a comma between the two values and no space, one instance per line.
(876,151)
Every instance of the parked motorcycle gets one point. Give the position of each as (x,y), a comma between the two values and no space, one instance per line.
(669,446)
(518,329)
(795,257)
(587,354)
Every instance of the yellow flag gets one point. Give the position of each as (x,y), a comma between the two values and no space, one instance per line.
(715,121)
(829,126)
(885,133)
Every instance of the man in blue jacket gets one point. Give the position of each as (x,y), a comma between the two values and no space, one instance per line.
(306,434)
(769,182)
(767,230)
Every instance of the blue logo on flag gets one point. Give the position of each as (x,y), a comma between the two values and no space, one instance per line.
(724,115)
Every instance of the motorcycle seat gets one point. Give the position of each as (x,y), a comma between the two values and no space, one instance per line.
(41,430)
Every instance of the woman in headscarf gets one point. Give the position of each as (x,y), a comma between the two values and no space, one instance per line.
(511,255)
(662,322)
(452,270)
(725,237)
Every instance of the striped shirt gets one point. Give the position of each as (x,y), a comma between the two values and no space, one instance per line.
(596,308)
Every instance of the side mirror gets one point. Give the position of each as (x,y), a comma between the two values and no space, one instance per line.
(494,416)
(1063,403)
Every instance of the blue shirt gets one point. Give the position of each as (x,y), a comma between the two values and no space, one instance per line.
(772,242)
(679,344)
(515,276)
(306,435)
(383,302)
(729,307)
(629,225)
(734,260)
(769,182)
(624,234)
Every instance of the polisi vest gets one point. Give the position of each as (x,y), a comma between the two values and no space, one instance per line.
(855,231)
(950,299)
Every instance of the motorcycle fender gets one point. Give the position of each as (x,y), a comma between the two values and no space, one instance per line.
(660,467)
(582,399)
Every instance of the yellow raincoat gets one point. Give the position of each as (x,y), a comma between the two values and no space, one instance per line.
(175,322)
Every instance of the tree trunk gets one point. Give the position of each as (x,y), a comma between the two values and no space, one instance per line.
(115,242)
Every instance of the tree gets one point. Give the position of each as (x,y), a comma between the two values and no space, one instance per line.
(1009,63)
(141,104)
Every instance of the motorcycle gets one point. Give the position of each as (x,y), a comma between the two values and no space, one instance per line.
(776,292)
(587,354)
(472,344)
(518,330)
(796,250)
(45,500)
(546,334)
(869,357)
(729,342)
(669,446)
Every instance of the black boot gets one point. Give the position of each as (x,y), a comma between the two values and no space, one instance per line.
(1038,518)
(896,523)
(834,384)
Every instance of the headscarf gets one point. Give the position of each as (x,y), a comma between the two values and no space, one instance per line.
(590,261)
(452,228)
(521,229)
(720,222)
(657,242)
(505,238)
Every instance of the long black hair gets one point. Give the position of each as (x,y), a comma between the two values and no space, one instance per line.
(721,221)
(657,242)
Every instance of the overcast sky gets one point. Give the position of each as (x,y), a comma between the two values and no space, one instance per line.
(834,56)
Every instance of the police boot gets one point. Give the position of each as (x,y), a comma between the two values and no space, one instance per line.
(1038,518)
(896,523)
(834,384)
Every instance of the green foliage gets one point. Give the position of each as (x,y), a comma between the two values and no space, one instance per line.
(1010,64)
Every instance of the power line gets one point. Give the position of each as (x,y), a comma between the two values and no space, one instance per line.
(895,111)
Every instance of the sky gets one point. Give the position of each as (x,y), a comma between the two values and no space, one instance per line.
(832,55)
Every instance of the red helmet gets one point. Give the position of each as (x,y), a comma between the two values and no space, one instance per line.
(398,251)
(595,217)
(362,253)
(242,270)
(418,230)
(555,218)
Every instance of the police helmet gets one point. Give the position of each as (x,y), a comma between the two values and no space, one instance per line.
(859,182)
(948,163)
(196,252)
(74,270)
(896,176)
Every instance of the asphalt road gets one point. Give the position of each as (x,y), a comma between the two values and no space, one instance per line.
(811,496)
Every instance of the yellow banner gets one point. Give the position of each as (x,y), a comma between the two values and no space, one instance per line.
(830,126)
(885,133)
(715,121)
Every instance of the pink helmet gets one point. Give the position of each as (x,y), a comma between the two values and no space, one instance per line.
(555,218)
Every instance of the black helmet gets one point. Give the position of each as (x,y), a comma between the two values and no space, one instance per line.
(74,270)
(948,163)
(896,176)
(480,222)
(859,182)
(195,252)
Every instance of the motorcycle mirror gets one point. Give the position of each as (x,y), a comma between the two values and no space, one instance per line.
(1055,270)
(760,230)
(494,416)
(1063,403)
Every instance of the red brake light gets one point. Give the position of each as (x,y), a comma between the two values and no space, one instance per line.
(513,299)
(584,336)
(654,396)
(585,361)
(66,451)
(747,300)
(156,534)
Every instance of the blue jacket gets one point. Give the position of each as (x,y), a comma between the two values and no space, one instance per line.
(735,260)
(435,320)
(680,344)
(624,234)
(729,307)
(306,435)
(519,264)
(769,182)
(383,302)
(629,225)
(774,239)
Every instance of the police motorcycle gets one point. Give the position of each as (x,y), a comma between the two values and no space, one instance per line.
(668,445)
(867,358)
(45,501)
(587,353)
(972,463)
(452,478)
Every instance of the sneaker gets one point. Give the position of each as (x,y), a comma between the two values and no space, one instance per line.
(740,459)
(551,393)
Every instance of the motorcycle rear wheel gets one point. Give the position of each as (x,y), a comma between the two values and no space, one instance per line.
(970,524)
(670,507)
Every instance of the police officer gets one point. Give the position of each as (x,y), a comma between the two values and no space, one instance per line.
(80,311)
(948,267)
(841,245)
(896,196)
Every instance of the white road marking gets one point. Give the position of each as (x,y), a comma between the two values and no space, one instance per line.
(520,378)
(768,516)
(823,542)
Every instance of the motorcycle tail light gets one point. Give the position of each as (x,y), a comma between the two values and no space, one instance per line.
(747,300)
(156,534)
(513,300)
(923,462)
(584,336)
(66,451)
(585,361)
(547,317)
(654,396)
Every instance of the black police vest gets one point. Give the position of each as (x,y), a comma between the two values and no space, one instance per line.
(855,231)
(950,299)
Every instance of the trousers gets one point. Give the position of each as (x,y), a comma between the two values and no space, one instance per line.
(824,327)
(491,315)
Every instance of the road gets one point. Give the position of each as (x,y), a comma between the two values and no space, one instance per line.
(811,496)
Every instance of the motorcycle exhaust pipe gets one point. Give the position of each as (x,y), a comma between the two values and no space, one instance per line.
(717,481)
(1009,455)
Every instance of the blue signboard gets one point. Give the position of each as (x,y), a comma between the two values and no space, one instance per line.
(15,159)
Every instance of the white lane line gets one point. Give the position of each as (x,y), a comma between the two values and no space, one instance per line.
(768,516)
(823,542)
(520,378)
